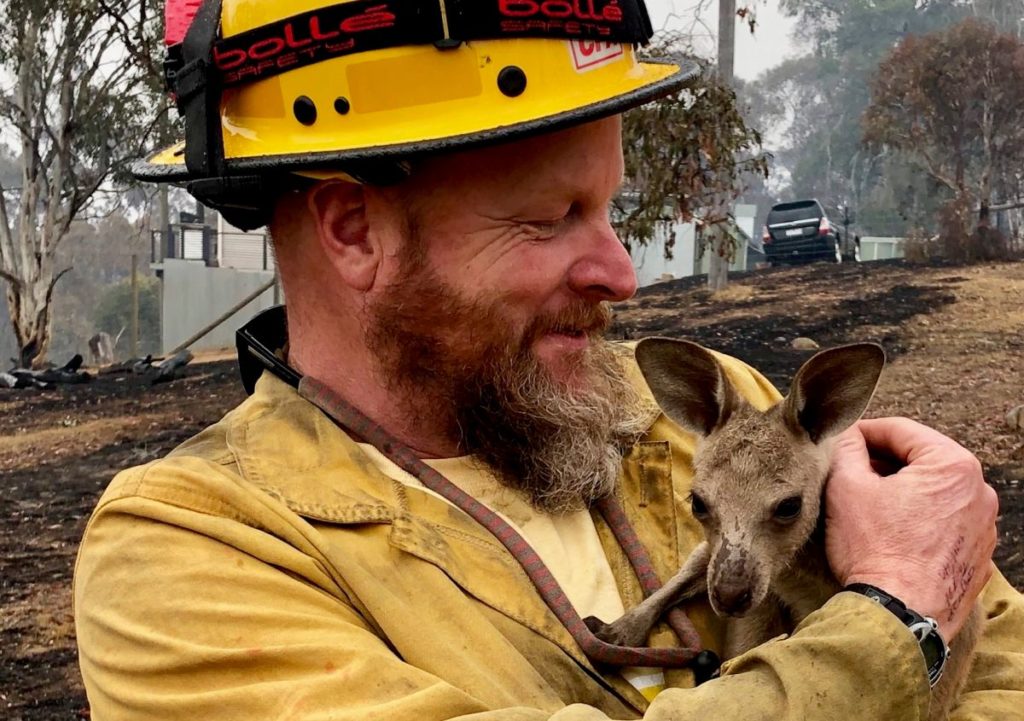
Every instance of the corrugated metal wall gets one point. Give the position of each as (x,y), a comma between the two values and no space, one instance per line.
(194,296)
(245,251)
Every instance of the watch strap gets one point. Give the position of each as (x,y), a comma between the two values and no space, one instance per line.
(924,628)
(887,600)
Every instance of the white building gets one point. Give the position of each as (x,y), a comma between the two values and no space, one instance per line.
(206,269)
(653,267)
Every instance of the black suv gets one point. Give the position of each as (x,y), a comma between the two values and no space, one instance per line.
(800,232)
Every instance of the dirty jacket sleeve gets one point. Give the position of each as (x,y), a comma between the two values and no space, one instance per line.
(995,687)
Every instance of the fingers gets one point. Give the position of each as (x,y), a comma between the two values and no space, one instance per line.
(903,439)
(850,454)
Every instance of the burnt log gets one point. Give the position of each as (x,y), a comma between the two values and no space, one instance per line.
(171,368)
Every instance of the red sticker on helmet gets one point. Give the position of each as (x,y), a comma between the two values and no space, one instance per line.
(591,54)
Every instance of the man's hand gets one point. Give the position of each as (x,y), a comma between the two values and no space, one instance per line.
(925,533)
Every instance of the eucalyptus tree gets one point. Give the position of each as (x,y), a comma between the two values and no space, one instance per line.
(815,102)
(950,101)
(77,101)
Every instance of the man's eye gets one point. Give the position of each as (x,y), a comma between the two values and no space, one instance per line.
(543,228)
(547,227)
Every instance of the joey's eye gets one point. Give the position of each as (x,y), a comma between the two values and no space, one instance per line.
(699,508)
(788,509)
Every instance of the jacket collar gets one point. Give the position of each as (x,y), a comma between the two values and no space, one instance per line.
(294,452)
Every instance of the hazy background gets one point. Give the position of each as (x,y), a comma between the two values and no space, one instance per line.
(766,48)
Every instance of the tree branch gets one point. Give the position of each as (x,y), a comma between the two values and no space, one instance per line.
(16,282)
(53,283)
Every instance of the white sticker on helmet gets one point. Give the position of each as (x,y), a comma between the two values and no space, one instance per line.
(590,54)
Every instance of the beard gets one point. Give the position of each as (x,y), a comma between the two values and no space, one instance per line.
(459,363)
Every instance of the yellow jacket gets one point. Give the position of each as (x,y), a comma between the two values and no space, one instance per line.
(267,570)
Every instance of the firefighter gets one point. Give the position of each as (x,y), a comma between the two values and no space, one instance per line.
(442,468)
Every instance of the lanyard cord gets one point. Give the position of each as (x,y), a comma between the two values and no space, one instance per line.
(598,651)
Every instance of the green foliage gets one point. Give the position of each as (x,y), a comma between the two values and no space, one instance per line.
(113,314)
(100,254)
(686,157)
(951,100)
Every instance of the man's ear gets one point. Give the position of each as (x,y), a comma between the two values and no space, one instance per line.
(338,209)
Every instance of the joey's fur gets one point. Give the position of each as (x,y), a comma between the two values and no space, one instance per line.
(757,490)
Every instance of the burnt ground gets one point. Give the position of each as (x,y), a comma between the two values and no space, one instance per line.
(58,450)
(953,336)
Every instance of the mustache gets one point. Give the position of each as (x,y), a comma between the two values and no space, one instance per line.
(580,317)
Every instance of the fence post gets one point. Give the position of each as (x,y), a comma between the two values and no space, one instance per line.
(135,306)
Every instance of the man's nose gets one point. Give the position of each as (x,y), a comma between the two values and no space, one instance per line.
(604,271)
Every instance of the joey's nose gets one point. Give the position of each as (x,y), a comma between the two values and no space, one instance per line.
(733,599)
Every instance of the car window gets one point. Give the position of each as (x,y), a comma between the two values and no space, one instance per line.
(794,211)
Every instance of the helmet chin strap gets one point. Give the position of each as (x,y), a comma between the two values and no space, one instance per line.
(245,201)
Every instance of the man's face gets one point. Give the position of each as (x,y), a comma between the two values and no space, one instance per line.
(524,227)
(492,321)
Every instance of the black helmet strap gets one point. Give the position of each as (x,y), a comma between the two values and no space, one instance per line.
(197,87)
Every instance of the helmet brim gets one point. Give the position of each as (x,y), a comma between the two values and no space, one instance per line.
(656,79)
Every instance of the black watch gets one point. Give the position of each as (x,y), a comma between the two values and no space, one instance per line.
(925,629)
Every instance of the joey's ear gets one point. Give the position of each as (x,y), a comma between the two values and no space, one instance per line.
(339,216)
(832,390)
(687,382)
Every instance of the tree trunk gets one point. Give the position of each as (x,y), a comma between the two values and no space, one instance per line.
(718,265)
(165,226)
(726,40)
(29,305)
(718,262)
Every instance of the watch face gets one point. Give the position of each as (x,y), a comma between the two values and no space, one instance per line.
(932,647)
(925,629)
(934,652)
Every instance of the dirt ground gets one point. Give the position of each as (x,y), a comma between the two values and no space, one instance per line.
(953,335)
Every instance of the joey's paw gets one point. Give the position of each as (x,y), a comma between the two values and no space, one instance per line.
(617,633)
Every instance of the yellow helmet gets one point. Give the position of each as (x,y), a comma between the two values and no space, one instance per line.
(271,88)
